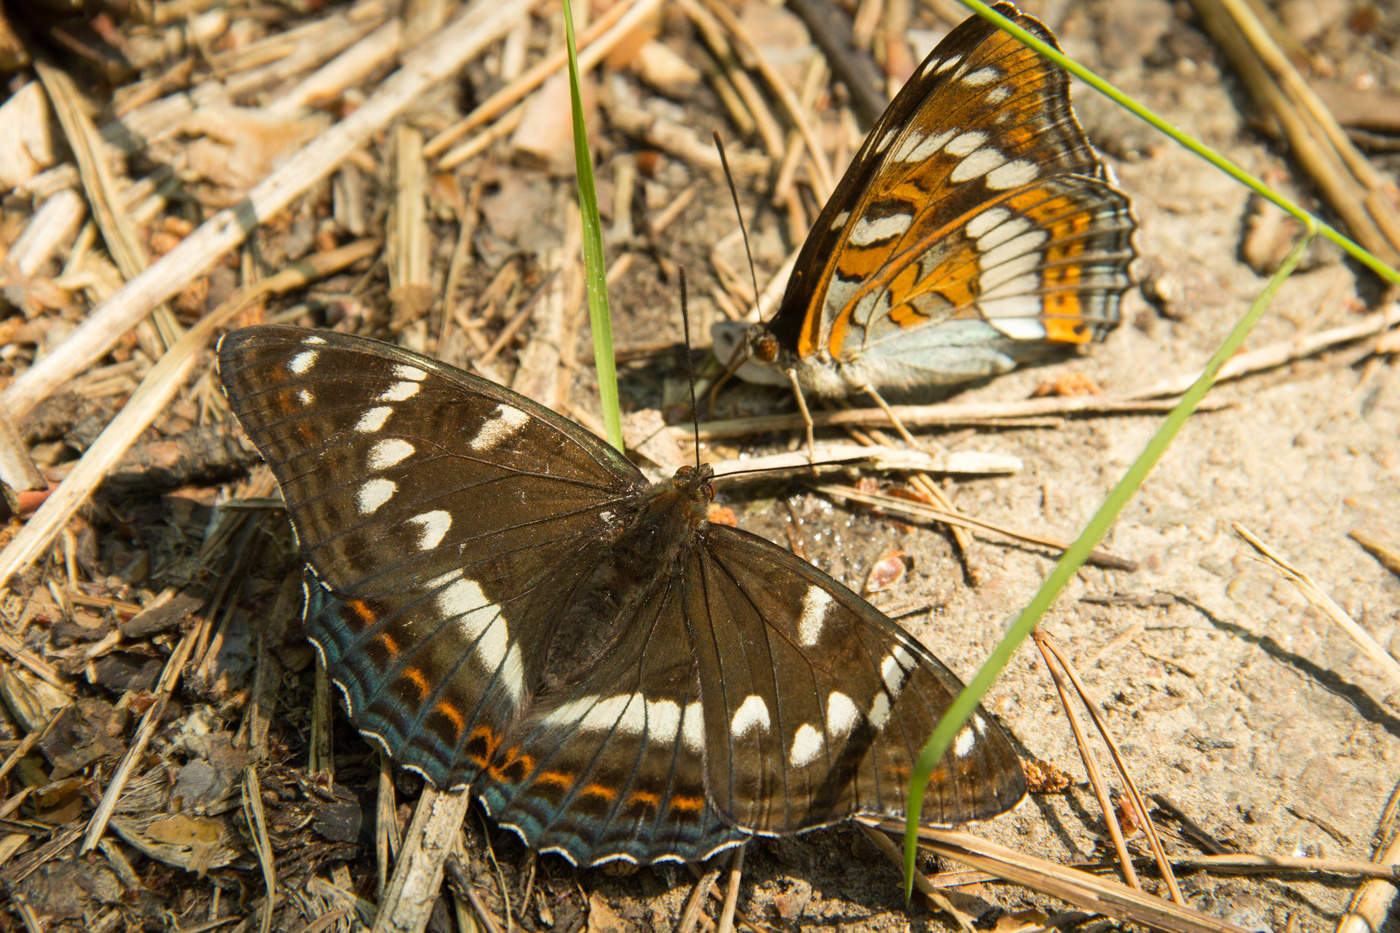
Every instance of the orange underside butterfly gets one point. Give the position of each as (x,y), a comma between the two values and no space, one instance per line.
(975,230)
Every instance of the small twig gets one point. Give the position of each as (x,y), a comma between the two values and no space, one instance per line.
(946,414)
(1315,595)
(927,512)
(262,847)
(145,731)
(408,902)
(1086,891)
(1054,663)
(615,24)
(725,924)
(1282,352)
(839,456)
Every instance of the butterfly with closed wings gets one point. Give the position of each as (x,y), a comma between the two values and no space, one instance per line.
(975,230)
(507,604)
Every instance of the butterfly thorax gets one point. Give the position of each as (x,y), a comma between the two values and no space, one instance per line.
(645,546)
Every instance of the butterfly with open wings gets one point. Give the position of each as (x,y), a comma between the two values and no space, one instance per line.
(975,230)
(507,604)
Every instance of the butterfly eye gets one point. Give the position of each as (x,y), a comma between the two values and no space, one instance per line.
(766,348)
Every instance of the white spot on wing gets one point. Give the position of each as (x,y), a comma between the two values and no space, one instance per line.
(751,714)
(1017,318)
(879,710)
(1008,274)
(663,719)
(979,224)
(503,424)
(513,672)
(388,452)
(372,420)
(398,392)
(806,746)
(693,727)
(373,494)
(305,397)
(963,743)
(413,373)
(966,143)
(628,713)
(874,229)
(996,95)
(841,714)
(976,165)
(302,361)
(313,341)
(1028,242)
(1015,285)
(1012,175)
(885,140)
(434,525)
(840,219)
(918,148)
(814,605)
(895,669)
(981,76)
(1002,232)
(480,621)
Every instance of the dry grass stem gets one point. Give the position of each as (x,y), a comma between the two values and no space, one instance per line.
(1326,604)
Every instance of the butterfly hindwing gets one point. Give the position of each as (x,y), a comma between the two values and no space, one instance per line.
(614,762)
(816,705)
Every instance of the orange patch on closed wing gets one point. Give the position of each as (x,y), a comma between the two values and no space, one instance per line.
(387,640)
(514,767)
(599,791)
(481,745)
(556,778)
(1066,221)
(362,611)
(955,278)
(453,716)
(282,402)
(907,316)
(644,798)
(688,804)
(1063,316)
(415,676)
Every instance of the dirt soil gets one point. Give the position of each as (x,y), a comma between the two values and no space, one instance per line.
(1232,697)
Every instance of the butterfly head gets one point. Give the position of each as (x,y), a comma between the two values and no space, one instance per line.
(695,483)
(751,352)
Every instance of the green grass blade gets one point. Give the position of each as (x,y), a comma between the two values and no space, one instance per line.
(594,271)
(1073,557)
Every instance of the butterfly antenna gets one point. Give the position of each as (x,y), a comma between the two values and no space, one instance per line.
(738,212)
(690,368)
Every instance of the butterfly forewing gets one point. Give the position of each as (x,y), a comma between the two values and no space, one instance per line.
(816,705)
(435,510)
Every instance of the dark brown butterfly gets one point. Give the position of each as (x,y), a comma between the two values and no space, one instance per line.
(506,603)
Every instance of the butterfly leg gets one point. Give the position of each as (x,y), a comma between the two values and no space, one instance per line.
(806,415)
(870,390)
